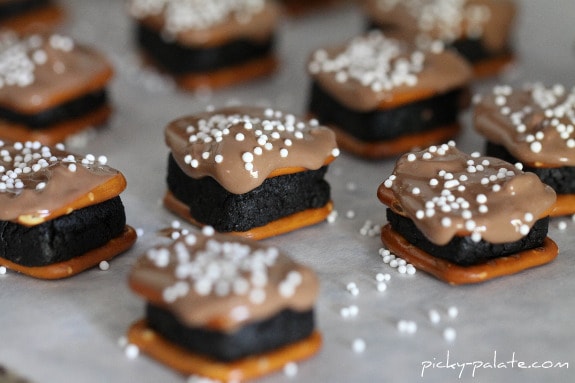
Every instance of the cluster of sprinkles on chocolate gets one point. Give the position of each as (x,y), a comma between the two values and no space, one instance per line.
(19,57)
(221,268)
(206,265)
(447,20)
(485,197)
(182,15)
(373,61)
(27,165)
(541,118)
(251,141)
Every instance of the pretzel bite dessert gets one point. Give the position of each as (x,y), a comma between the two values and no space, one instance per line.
(256,172)
(465,218)
(60,213)
(207,43)
(224,307)
(26,16)
(480,30)
(383,96)
(534,125)
(50,87)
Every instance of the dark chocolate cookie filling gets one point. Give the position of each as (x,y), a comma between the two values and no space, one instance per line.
(561,179)
(284,328)
(378,125)
(463,250)
(14,8)
(63,112)
(62,238)
(277,197)
(180,59)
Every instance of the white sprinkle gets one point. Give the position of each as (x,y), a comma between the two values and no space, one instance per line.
(562,225)
(524,229)
(240,137)
(3,270)
(290,369)
(208,231)
(434,316)
(446,222)
(381,286)
(407,327)
(350,214)
(358,345)
(219,158)
(449,334)
(257,296)
(104,266)
(247,157)
(132,351)
(536,147)
(411,270)
(452,312)
(481,198)
(332,216)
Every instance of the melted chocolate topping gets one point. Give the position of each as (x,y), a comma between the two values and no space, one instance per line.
(222,282)
(38,182)
(446,20)
(376,71)
(241,147)
(447,193)
(535,123)
(208,22)
(38,72)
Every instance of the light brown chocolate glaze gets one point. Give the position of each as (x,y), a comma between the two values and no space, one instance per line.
(280,226)
(375,71)
(492,21)
(55,133)
(534,122)
(396,146)
(54,70)
(457,275)
(188,24)
(446,192)
(231,138)
(73,266)
(186,278)
(189,363)
(42,19)
(54,182)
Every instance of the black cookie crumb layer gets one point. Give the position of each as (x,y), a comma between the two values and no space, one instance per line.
(62,238)
(463,250)
(14,8)
(284,328)
(180,59)
(63,112)
(277,197)
(419,116)
(561,179)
